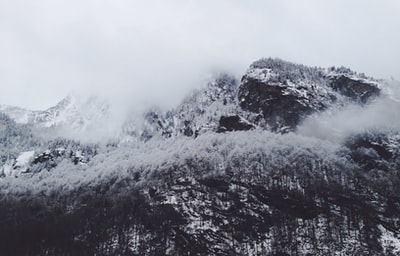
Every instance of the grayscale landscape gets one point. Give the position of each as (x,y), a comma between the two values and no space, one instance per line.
(199,128)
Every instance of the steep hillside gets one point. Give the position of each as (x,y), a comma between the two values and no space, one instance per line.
(230,171)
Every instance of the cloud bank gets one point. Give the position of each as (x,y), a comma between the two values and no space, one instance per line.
(139,53)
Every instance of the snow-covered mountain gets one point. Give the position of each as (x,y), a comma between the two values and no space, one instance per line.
(71,112)
(238,168)
(199,112)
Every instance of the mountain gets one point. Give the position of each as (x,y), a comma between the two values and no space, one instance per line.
(235,169)
(199,112)
(71,112)
(284,94)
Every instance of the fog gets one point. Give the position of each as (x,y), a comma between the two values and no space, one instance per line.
(141,53)
(382,114)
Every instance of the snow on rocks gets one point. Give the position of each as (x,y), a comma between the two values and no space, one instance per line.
(19,165)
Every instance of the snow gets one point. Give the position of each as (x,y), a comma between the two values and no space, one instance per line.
(7,170)
(354,76)
(158,156)
(24,158)
(73,117)
(390,240)
(22,162)
(19,115)
(60,150)
(262,74)
(20,165)
(78,154)
(257,151)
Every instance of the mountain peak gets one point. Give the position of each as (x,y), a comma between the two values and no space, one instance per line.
(72,112)
(285,93)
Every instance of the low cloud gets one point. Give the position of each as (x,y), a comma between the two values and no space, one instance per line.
(336,124)
(140,53)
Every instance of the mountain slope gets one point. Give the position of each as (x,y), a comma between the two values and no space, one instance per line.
(69,112)
(224,173)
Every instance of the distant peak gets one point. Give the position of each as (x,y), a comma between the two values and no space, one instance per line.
(64,103)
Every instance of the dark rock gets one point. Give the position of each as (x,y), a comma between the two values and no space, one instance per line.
(289,202)
(42,158)
(233,123)
(357,90)
(283,92)
(187,130)
(279,109)
(217,183)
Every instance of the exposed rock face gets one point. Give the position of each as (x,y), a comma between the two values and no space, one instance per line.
(285,93)
(279,110)
(233,123)
(188,131)
(356,90)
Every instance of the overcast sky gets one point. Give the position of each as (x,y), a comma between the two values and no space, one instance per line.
(155,51)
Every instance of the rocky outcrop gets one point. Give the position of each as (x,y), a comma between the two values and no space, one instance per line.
(233,123)
(285,93)
(357,90)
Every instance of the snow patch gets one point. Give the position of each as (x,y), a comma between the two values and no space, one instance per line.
(390,241)
(20,165)
(261,74)
(23,161)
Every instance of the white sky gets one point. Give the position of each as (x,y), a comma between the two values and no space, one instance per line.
(155,51)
